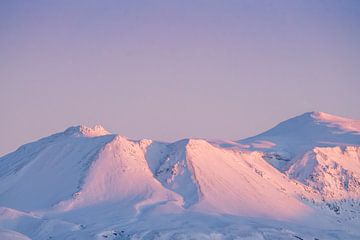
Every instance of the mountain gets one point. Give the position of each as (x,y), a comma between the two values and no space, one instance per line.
(312,129)
(317,149)
(86,183)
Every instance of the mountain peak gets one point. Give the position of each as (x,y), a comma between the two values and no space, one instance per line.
(316,115)
(333,121)
(85,131)
(303,132)
(315,120)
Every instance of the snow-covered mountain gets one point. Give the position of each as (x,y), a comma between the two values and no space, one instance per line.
(299,180)
(317,149)
(309,130)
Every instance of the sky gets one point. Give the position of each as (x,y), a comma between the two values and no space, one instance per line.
(168,70)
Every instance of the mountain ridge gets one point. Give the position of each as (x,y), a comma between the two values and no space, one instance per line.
(303,168)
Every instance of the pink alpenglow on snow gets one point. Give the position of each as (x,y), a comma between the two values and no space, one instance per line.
(338,122)
(200,89)
(300,178)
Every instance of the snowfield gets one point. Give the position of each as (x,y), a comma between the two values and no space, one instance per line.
(298,180)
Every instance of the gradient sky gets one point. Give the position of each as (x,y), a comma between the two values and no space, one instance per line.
(167,70)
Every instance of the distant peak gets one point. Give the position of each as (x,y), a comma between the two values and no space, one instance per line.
(337,121)
(311,122)
(324,116)
(85,131)
(328,117)
(315,114)
(319,115)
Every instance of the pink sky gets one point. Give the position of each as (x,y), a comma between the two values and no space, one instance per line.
(172,69)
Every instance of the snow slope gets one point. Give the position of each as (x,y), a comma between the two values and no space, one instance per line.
(333,171)
(120,173)
(317,149)
(85,183)
(48,170)
(309,130)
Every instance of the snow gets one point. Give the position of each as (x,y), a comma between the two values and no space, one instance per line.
(337,122)
(11,235)
(120,173)
(41,177)
(243,182)
(299,180)
(82,130)
(294,137)
(333,171)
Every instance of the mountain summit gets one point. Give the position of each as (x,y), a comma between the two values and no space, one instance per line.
(307,131)
(85,183)
(82,130)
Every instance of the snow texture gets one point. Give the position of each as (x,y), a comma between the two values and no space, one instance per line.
(298,180)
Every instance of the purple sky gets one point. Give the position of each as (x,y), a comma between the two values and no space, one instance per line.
(167,70)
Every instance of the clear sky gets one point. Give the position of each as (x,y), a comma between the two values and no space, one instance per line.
(167,70)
